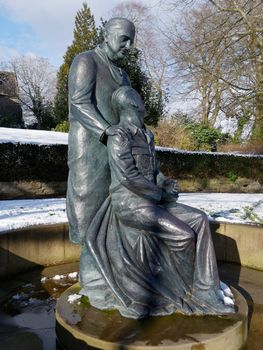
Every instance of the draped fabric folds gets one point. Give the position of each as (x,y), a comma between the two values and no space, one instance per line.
(140,275)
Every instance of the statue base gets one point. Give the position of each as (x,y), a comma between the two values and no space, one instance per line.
(80,326)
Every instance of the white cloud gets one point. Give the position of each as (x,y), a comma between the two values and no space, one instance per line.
(52,20)
(6,53)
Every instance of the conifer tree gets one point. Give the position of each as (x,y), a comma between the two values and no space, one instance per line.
(153,100)
(85,38)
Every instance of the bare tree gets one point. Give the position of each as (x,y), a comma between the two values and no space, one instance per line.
(217,52)
(195,55)
(245,42)
(37,84)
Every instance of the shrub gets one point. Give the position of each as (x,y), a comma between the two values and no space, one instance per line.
(232,176)
(62,126)
(170,134)
(180,132)
(205,137)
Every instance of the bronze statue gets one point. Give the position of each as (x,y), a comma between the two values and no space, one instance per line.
(142,252)
(93,77)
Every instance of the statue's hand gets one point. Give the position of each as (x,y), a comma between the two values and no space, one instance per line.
(111,130)
(122,133)
(170,189)
(114,130)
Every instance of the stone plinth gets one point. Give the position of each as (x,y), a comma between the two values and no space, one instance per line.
(80,326)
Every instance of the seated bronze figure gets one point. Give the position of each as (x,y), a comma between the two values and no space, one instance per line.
(145,254)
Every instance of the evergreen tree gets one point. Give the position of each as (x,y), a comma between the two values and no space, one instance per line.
(153,100)
(85,38)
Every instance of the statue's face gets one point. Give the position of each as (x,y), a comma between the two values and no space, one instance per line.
(119,41)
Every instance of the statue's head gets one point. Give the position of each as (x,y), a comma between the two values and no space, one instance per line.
(118,37)
(128,105)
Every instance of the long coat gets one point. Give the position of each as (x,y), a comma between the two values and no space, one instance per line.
(92,80)
(150,256)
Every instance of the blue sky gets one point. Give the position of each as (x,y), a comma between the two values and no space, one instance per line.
(18,37)
(43,27)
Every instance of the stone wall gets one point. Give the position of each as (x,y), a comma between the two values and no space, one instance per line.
(32,171)
(10,106)
(10,112)
(25,249)
(36,246)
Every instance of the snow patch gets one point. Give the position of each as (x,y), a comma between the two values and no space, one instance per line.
(17,214)
(227,207)
(73,275)
(58,277)
(73,297)
(37,137)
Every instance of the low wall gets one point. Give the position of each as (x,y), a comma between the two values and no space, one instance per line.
(239,244)
(37,246)
(25,249)
(33,171)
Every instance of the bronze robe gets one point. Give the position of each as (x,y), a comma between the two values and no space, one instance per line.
(92,80)
(149,257)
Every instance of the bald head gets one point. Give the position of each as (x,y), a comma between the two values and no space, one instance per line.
(122,23)
(118,37)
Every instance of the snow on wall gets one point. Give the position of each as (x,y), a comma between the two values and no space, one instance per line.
(235,154)
(37,137)
(43,137)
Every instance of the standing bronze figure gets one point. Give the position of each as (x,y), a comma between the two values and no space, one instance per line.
(93,77)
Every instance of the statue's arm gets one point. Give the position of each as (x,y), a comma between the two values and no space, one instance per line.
(123,166)
(82,104)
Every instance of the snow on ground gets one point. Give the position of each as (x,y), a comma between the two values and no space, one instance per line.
(15,214)
(223,207)
(227,207)
(38,137)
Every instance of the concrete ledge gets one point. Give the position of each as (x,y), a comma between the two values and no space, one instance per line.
(42,245)
(240,244)
(47,245)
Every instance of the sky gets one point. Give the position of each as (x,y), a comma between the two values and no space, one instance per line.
(44,27)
